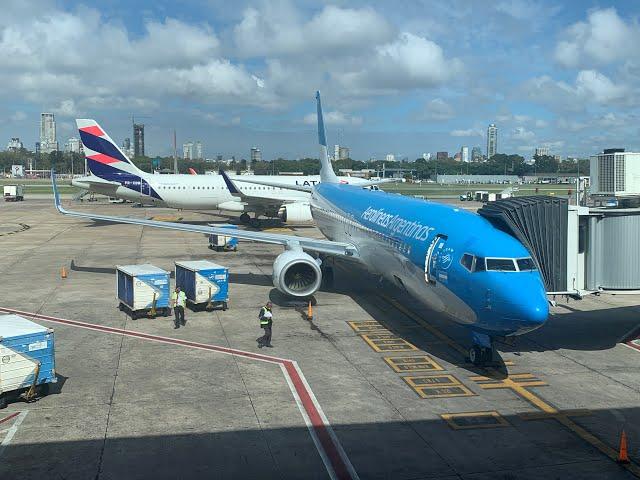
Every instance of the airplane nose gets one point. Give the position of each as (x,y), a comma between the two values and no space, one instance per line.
(533,314)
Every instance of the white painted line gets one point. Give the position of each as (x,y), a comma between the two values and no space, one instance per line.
(12,431)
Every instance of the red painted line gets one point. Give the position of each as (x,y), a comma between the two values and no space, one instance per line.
(338,462)
(633,345)
(13,415)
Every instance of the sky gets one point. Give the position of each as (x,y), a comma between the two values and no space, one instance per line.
(402,77)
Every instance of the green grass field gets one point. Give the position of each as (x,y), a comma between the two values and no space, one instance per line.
(429,190)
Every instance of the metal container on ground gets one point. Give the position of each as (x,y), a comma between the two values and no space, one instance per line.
(206,284)
(13,193)
(223,242)
(143,290)
(27,358)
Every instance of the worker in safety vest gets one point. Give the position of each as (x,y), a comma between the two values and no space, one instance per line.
(266,321)
(178,302)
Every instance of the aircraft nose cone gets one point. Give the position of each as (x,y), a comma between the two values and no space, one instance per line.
(534,314)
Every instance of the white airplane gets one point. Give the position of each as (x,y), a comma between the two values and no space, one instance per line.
(115,175)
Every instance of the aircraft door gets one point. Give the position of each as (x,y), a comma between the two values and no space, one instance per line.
(437,260)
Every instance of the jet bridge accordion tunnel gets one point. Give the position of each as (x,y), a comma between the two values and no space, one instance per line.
(540,223)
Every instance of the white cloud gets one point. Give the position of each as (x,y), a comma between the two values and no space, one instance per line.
(333,118)
(521,134)
(277,29)
(604,38)
(590,87)
(408,62)
(470,132)
(437,110)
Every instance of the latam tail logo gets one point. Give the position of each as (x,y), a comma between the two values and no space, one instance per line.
(107,161)
(97,144)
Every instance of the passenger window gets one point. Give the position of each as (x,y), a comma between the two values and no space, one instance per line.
(526,264)
(501,264)
(467,261)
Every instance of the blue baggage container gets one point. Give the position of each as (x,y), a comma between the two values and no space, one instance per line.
(139,285)
(204,283)
(27,356)
(223,242)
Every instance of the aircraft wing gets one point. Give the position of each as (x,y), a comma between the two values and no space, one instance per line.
(287,241)
(235,191)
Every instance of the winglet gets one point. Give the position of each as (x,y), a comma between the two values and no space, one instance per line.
(56,195)
(327,174)
(233,190)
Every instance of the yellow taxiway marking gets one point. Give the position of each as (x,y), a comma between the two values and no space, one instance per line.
(413,364)
(430,328)
(438,386)
(519,385)
(389,343)
(366,326)
(473,420)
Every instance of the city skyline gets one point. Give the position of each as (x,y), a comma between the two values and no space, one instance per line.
(405,79)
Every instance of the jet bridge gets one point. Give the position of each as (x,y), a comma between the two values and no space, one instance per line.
(541,224)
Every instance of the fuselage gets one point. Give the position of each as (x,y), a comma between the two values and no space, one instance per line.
(197,191)
(450,259)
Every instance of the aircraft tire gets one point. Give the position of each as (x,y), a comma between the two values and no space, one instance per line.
(244,218)
(476,355)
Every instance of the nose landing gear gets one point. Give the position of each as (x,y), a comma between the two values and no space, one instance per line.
(482,351)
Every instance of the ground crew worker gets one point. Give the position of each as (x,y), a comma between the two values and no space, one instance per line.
(266,321)
(178,302)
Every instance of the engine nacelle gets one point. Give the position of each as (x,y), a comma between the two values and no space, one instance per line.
(295,212)
(296,273)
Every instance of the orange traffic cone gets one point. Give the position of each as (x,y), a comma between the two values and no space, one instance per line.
(310,311)
(623,456)
(63,273)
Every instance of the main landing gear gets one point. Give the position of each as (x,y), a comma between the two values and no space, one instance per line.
(244,218)
(253,222)
(481,353)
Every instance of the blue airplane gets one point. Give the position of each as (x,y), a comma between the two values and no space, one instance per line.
(455,262)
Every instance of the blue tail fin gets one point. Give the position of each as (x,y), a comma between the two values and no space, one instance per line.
(327,174)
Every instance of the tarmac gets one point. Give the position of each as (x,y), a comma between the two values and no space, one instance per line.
(373,387)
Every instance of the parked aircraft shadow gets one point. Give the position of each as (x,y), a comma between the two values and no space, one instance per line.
(420,448)
(573,330)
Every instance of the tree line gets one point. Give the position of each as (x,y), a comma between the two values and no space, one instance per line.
(499,164)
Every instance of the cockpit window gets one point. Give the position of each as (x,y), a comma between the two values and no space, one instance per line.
(501,264)
(526,264)
(478,265)
(467,261)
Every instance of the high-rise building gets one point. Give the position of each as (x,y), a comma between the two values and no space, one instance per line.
(476,154)
(492,140)
(343,153)
(390,157)
(126,145)
(336,152)
(187,151)
(442,156)
(198,151)
(73,145)
(256,154)
(457,157)
(542,151)
(426,156)
(464,153)
(14,144)
(48,141)
(37,149)
(138,140)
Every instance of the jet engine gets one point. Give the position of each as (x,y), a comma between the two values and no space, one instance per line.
(295,212)
(296,273)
